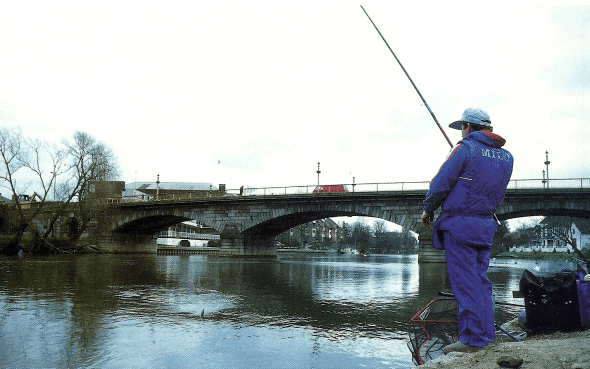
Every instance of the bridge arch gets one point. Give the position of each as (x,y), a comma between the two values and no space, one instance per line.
(151,224)
(267,225)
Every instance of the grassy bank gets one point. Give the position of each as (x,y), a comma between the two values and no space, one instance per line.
(537,255)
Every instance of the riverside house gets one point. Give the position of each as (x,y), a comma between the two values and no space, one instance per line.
(558,234)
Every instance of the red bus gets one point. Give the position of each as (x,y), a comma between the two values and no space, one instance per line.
(330,189)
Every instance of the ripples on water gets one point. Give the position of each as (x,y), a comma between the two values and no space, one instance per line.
(143,311)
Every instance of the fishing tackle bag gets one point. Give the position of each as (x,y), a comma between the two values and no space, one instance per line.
(551,303)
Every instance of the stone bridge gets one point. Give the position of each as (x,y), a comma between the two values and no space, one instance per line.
(249,224)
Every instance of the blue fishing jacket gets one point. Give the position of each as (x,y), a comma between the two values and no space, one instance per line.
(469,187)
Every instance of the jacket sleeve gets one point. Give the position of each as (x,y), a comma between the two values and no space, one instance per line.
(446,178)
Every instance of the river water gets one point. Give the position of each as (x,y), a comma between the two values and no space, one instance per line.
(161,311)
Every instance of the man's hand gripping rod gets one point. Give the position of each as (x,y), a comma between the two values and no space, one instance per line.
(413,84)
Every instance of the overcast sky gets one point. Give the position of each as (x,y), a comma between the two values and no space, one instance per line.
(255,93)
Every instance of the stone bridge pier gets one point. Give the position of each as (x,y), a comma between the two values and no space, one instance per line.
(100,237)
(233,243)
(426,251)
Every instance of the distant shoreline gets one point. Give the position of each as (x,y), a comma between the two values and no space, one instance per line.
(304,251)
(536,255)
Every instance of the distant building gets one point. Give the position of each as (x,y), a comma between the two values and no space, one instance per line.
(558,234)
(580,231)
(323,232)
(110,191)
(145,191)
(27,201)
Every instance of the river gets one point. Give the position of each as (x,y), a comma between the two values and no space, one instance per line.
(162,311)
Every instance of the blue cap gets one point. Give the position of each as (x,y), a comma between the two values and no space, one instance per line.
(473,116)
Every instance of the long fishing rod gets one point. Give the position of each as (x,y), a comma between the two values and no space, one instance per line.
(413,84)
(418,91)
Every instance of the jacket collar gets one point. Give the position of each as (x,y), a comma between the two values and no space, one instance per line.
(487,137)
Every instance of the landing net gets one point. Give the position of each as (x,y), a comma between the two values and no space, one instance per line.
(434,326)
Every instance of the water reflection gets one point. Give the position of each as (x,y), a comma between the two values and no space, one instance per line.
(195,311)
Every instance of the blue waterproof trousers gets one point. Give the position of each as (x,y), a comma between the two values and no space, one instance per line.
(467,266)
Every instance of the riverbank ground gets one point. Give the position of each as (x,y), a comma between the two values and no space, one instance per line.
(556,351)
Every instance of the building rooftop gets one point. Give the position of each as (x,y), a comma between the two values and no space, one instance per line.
(169,187)
(583,225)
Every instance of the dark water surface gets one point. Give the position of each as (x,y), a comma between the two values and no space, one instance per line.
(157,311)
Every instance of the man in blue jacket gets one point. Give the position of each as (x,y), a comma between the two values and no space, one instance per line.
(469,188)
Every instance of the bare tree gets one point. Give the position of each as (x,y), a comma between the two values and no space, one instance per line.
(89,160)
(23,167)
(361,233)
(32,164)
(500,243)
(10,150)
(527,234)
(380,232)
(560,228)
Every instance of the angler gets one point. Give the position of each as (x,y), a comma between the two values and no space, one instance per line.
(468,188)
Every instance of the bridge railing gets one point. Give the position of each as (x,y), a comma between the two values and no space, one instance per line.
(517,184)
(333,188)
(403,186)
(552,183)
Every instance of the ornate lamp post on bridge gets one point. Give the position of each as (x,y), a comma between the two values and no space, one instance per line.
(544,180)
(158,188)
(318,172)
(547,162)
